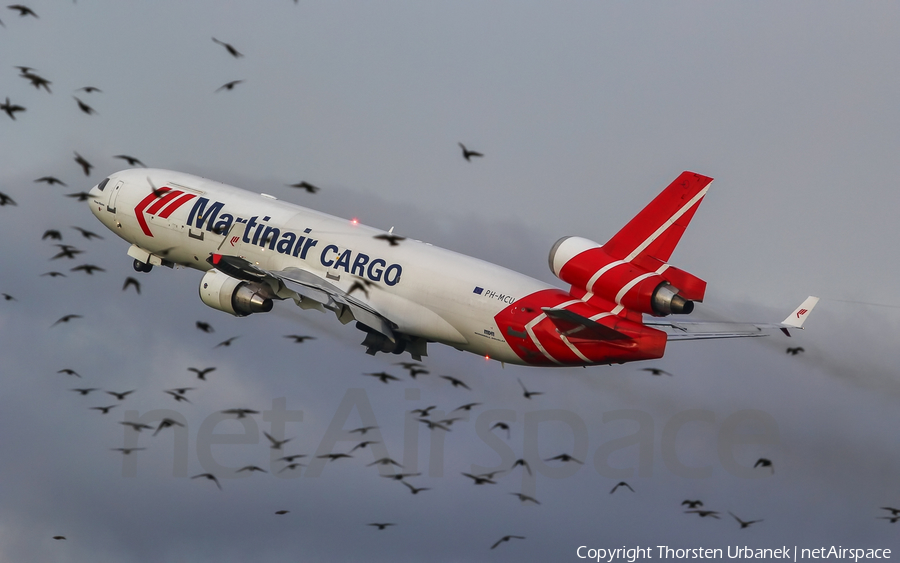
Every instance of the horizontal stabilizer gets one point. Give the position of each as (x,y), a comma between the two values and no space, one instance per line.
(574,325)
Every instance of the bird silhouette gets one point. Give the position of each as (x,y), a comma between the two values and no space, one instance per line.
(8,297)
(794,351)
(480,479)
(167,423)
(103,410)
(231,50)
(50,180)
(66,251)
(6,200)
(87,234)
(68,371)
(132,161)
(281,512)
(466,407)
(65,319)
(291,467)
(127,451)
(415,490)
(205,327)
(401,476)
(53,274)
(526,498)
(432,424)
(621,484)
(333,457)
(130,281)
(87,269)
(502,426)
(229,85)
(893,511)
(526,393)
(704,513)
(467,154)
(251,469)
(742,522)
(290,458)
(84,164)
(384,461)
(363,429)
(241,413)
(136,426)
(227,342)
(381,525)
(23,10)
(276,444)
(506,538)
(423,412)
(764,462)
(80,196)
(201,373)
(209,476)
(177,396)
(692,503)
(37,81)
(523,463)
(120,396)
(84,107)
(59,537)
(11,108)
(383,376)
(299,339)
(393,240)
(89,89)
(305,186)
(85,390)
(657,371)
(565,458)
(363,444)
(51,234)
(456,382)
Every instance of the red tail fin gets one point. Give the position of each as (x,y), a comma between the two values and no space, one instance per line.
(656,230)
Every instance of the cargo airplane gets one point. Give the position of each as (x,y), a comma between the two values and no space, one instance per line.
(255,250)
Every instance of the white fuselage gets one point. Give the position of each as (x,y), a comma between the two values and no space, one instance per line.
(427,291)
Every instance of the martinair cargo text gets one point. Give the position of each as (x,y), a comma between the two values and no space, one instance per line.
(403,293)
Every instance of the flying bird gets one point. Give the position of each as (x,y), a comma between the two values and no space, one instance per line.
(241,413)
(53,274)
(704,513)
(467,154)
(526,393)
(281,512)
(251,469)
(59,537)
(205,327)
(51,234)
(415,490)
(456,382)
(393,240)
(85,390)
(764,462)
(359,285)
(177,396)
(66,251)
(50,180)
(432,424)
(291,458)
(226,342)
(893,511)
(333,457)
(300,339)
(84,107)
(467,407)
(692,503)
(231,50)
(229,85)
(401,476)
(37,81)
(65,319)
(136,426)
(23,10)
(384,461)
(381,525)
(423,412)
(209,476)
(87,234)
(80,196)
(305,186)
(506,538)
(363,444)
(8,297)
(523,463)
(795,351)
(68,371)
(130,281)
(362,430)
(743,523)
(526,498)
(132,161)
(87,269)
(481,479)
(621,484)
(656,371)
(566,458)
(383,376)
(11,108)
(502,426)
(120,396)
(291,467)
(103,410)
(127,451)
(89,89)
(201,373)
(84,164)
(167,423)
(276,444)
(6,200)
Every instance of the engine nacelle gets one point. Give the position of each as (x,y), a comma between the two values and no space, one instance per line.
(643,284)
(234,296)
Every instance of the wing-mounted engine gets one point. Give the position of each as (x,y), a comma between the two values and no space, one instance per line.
(643,283)
(237,297)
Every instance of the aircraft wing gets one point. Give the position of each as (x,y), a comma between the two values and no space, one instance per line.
(304,286)
(701,330)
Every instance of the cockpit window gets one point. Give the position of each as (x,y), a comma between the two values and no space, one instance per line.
(102,184)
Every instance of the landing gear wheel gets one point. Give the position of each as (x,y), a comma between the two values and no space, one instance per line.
(141,266)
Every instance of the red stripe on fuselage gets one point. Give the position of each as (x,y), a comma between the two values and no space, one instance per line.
(139,210)
(175,205)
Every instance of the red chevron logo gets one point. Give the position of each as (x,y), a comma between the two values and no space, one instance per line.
(162,203)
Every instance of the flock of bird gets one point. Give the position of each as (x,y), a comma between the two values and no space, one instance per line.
(288,462)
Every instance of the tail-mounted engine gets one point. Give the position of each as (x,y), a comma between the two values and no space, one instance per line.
(642,284)
(234,296)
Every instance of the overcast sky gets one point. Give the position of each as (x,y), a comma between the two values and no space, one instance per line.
(584,112)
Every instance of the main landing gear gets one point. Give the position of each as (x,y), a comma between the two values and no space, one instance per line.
(141,266)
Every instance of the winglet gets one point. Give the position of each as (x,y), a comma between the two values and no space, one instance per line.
(796,319)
